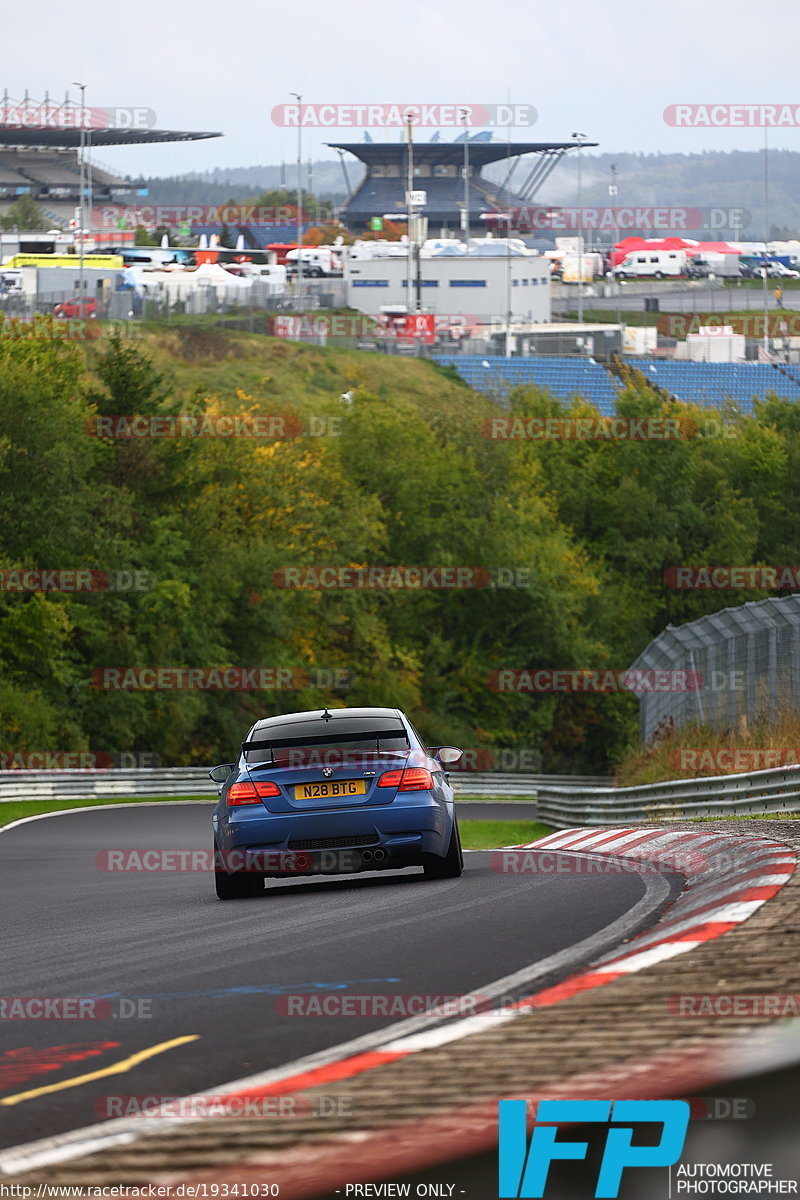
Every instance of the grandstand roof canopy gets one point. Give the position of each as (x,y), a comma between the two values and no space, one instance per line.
(71,138)
(480,153)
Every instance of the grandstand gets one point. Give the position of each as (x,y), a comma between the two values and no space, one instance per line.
(564,377)
(438,170)
(42,160)
(255,236)
(11,180)
(709,385)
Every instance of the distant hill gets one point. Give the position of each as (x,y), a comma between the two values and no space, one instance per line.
(240,183)
(734,179)
(721,180)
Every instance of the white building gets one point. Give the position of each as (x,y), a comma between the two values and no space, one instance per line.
(486,279)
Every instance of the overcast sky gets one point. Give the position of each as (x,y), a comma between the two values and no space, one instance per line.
(605,71)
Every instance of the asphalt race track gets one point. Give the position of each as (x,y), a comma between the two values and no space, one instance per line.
(190,966)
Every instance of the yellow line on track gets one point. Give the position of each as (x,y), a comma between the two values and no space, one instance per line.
(115,1069)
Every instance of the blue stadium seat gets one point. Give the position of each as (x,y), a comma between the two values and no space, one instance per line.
(563,377)
(709,385)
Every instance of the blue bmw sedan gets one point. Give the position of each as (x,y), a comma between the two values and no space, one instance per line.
(333,792)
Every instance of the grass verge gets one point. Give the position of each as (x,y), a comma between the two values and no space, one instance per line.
(14,810)
(694,751)
(486,835)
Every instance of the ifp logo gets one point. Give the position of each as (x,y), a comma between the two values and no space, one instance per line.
(523,1169)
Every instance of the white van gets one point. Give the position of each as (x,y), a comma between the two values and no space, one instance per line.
(657,264)
(317,261)
(11,280)
(589,265)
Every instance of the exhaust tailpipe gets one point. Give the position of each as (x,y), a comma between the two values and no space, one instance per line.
(379,855)
(366,856)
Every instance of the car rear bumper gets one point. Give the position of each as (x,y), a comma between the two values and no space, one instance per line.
(367,839)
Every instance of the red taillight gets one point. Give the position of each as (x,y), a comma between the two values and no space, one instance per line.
(412,779)
(250,793)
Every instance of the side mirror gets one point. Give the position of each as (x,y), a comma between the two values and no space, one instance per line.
(448,755)
(220,773)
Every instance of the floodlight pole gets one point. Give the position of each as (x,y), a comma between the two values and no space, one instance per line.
(581,139)
(613,192)
(464,113)
(766,243)
(299,100)
(409,207)
(82,86)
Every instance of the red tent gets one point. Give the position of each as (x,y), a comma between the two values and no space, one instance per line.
(630,244)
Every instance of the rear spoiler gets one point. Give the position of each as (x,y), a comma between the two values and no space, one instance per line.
(286,743)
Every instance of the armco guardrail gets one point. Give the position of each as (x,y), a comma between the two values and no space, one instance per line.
(194,781)
(90,785)
(773,791)
(498,784)
(562,801)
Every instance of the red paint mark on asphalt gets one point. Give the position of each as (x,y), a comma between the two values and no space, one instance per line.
(28,1062)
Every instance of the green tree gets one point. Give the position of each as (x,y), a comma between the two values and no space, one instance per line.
(143,237)
(25,214)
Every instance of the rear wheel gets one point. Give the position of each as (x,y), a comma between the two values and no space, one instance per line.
(239,886)
(449,867)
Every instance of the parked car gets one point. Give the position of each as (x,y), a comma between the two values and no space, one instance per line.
(755,268)
(778,270)
(698,268)
(76,308)
(333,792)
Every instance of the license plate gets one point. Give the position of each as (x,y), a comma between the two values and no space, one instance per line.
(327,791)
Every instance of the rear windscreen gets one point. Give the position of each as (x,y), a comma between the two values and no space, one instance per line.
(319,742)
